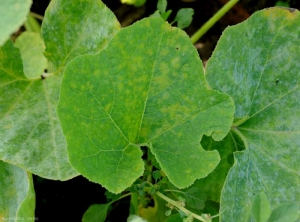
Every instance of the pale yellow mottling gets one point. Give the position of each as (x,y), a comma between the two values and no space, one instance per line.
(108,107)
(175,63)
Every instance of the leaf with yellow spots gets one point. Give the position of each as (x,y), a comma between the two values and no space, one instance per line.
(260,70)
(147,88)
(17,197)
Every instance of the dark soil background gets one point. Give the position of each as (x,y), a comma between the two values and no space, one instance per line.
(67,201)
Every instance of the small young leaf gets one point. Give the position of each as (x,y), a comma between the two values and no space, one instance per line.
(156,14)
(261,208)
(156,175)
(168,213)
(162,6)
(31,47)
(195,198)
(181,199)
(96,213)
(166,15)
(182,214)
(13,14)
(153,191)
(282,3)
(286,212)
(184,17)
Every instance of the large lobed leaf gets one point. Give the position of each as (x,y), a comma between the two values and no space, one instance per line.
(257,63)
(31,135)
(147,88)
(17,197)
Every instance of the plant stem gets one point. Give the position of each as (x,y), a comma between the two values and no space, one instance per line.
(169,190)
(174,203)
(40,17)
(121,197)
(197,35)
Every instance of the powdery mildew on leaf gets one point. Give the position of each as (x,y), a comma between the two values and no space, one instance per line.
(146,88)
(73,28)
(17,197)
(32,136)
(257,63)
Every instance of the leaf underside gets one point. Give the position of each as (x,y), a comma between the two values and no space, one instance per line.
(261,72)
(142,90)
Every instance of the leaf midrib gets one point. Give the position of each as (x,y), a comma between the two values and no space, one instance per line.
(263,69)
(149,86)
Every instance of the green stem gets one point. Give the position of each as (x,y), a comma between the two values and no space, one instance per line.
(197,35)
(178,206)
(169,190)
(134,203)
(121,197)
(40,17)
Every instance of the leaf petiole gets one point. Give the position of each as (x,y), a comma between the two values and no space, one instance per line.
(178,206)
(197,35)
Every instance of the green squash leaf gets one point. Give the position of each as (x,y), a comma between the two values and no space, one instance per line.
(286,212)
(96,213)
(212,184)
(261,209)
(142,90)
(257,63)
(13,15)
(17,197)
(31,47)
(70,30)
(32,136)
